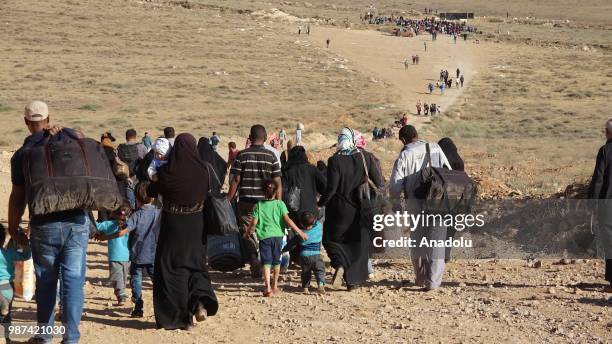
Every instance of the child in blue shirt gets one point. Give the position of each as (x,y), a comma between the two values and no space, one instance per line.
(310,252)
(9,253)
(114,231)
(143,227)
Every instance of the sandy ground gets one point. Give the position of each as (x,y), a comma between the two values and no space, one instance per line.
(480,302)
(381,56)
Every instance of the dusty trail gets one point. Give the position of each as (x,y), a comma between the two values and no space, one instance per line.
(382,56)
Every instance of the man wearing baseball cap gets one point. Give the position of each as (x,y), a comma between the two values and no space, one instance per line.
(58,240)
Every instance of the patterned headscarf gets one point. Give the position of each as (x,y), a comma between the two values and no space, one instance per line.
(360,141)
(346,141)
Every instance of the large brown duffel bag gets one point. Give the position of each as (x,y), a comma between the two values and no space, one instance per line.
(65,172)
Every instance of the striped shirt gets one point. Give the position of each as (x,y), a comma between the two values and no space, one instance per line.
(254,165)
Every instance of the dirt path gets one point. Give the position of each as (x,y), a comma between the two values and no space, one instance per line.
(382,56)
(480,302)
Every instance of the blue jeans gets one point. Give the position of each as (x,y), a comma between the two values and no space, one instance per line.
(136,272)
(131,197)
(60,246)
(126,189)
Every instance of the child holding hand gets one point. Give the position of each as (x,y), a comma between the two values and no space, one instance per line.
(10,252)
(114,231)
(269,218)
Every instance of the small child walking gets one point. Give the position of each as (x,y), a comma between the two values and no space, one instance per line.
(310,252)
(269,218)
(143,227)
(114,232)
(9,253)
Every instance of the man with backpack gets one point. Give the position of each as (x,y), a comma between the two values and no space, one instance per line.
(405,178)
(130,152)
(58,240)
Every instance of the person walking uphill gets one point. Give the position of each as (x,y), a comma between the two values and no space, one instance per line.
(428,261)
(143,227)
(251,168)
(456,163)
(58,240)
(209,154)
(270,216)
(130,152)
(600,190)
(345,238)
(181,285)
(301,174)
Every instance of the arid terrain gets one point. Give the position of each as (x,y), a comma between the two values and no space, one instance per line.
(528,123)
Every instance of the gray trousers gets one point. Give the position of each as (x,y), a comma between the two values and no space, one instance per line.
(428,262)
(312,264)
(119,272)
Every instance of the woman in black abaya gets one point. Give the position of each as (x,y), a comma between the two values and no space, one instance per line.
(298,172)
(345,237)
(208,154)
(450,150)
(181,285)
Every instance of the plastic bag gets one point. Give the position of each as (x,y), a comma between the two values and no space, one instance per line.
(292,198)
(25,280)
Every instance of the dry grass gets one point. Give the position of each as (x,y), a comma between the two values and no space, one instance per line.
(204,65)
(535,118)
(124,64)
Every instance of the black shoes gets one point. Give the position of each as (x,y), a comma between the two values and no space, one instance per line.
(137,313)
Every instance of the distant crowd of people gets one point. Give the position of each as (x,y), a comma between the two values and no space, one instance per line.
(431,25)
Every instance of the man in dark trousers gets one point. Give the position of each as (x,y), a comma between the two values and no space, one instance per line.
(130,152)
(600,191)
(251,168)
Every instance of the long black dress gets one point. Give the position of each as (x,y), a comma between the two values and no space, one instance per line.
(181,279)
(345,238)
(208,154)
(298,172)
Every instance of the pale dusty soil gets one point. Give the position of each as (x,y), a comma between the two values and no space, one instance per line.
(382,56)
(480,302)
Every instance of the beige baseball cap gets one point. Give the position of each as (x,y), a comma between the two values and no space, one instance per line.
(36,111)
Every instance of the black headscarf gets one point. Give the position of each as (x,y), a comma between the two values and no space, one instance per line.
(208,154)
(184,180)
(297,156)
(450,150)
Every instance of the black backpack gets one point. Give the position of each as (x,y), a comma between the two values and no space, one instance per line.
(129,155)
(443,190)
